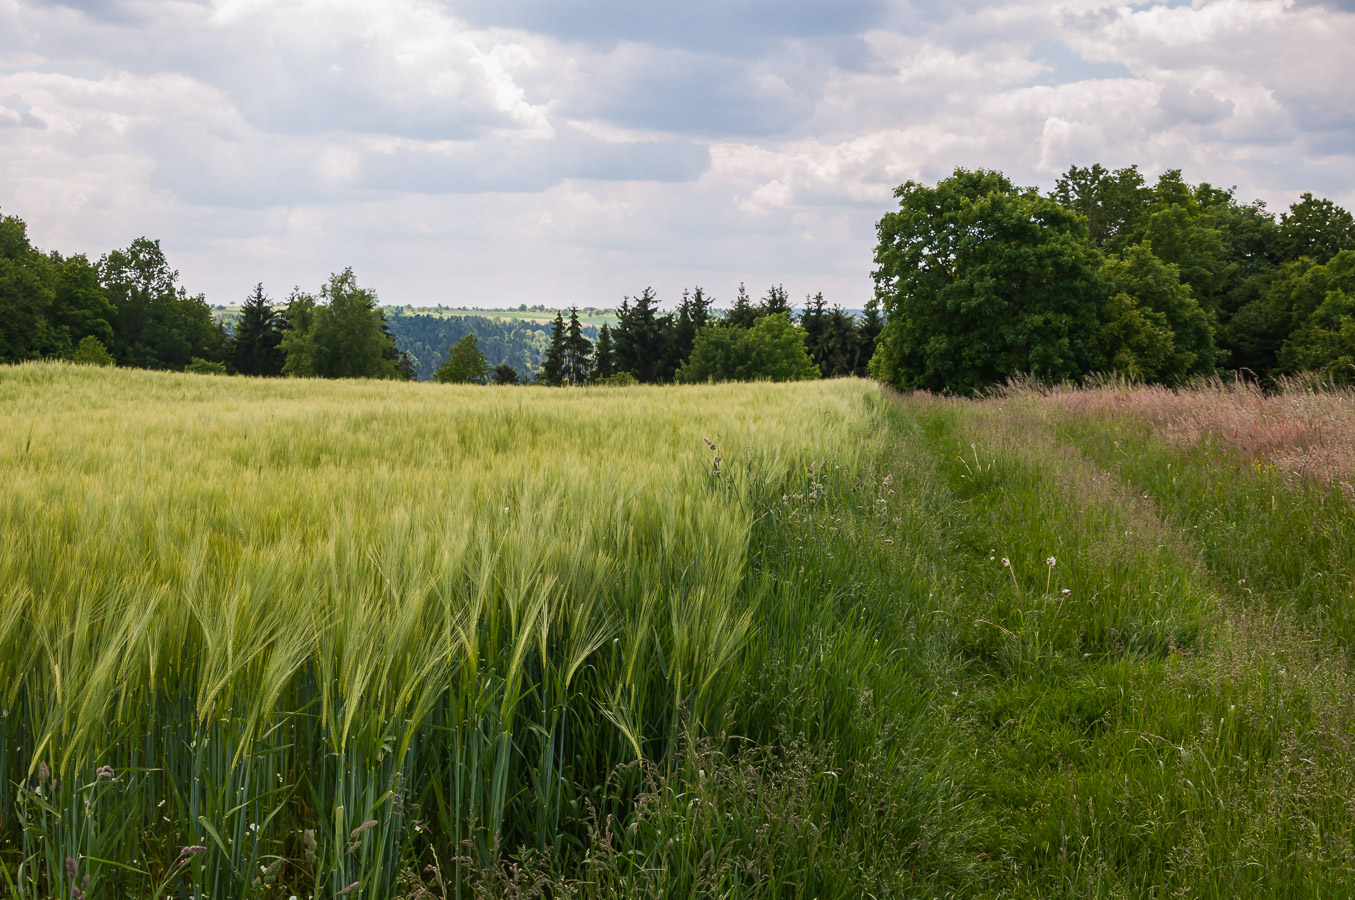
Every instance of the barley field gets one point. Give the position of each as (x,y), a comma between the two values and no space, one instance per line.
(284,638)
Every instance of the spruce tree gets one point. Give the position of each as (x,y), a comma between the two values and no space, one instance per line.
(404,368)
(604,363)
(840,345)
(578,364)
(777,301)
(742,314)
(813,320)
(553,367)
(638,340)
(257,348)
(869,333)
(684,333)
(700,308)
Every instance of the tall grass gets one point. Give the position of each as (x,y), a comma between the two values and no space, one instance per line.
(323,635)
(375,640)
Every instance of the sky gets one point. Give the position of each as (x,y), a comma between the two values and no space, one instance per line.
(499,152)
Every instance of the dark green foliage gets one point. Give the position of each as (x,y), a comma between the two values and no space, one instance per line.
(91,351)
(199,366)
(426,338)
(1264,318)
(982,281)
(24,295)
(841,350)
(640,339)
(400,359)
(772,350)
(48,304)
(812,322)
(1160,332)
(1114,203)
(742,314)
(340,335)
(1325,339)
(157,324)
(835,343)
(504,374)
(869,332)
(1315,228)
(577,360)
(299,317)
(1182,237)
(775,302)
(465,364)
(604,363)
(257,346)
(552,372)
(693,314)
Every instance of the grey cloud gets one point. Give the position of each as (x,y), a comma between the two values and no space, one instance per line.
(15,113)
(114,12)
(286,68)
(693,93)
(1319,107)
(1065,66)
(530,166)
(306,97)
(202,168)
(708,25)
(1198,106)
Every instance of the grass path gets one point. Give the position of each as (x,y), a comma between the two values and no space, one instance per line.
(1177,722)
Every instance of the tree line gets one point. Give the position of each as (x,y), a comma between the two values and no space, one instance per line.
(692,344)
(426,337)
(981,280)
(128,308)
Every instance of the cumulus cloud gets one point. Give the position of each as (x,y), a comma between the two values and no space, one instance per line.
(572,150)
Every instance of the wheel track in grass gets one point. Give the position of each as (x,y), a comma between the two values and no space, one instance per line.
(1146,733)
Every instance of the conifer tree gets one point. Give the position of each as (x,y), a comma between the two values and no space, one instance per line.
(777,301)
(839,345)
(604,363)
(693,314)
(404,368)
(639,339)
(869,331)
(257,348)
(812,321)
(742,314)
(553,368)
(578,364)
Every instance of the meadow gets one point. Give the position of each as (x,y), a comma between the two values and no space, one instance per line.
(275,638)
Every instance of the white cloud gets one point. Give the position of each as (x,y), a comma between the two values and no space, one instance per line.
(525,155)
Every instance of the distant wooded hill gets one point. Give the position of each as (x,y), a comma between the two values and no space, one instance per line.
(426,336)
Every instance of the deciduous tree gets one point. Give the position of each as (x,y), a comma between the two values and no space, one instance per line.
(982,281)
(465,364)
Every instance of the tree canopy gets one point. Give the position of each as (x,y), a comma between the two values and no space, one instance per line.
(340,334)
(981,280)
(772,350)
(465,364)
